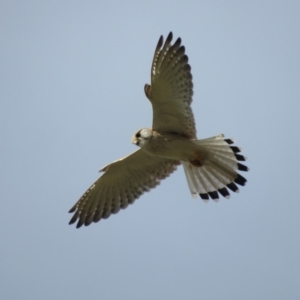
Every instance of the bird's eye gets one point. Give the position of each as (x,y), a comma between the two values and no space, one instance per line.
(138,135)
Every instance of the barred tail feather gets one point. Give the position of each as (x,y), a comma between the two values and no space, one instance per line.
(218,172)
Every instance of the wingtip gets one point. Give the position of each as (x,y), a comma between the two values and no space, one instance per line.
(169,37)
(242,167)
(72,210)
(72,221)
(229,141)
(159,43)
(79,223)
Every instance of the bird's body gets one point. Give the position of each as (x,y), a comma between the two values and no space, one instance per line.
(210,164)
(167,145)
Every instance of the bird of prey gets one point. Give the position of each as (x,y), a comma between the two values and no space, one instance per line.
(210,164)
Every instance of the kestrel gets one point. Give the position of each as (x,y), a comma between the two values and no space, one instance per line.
(210,164)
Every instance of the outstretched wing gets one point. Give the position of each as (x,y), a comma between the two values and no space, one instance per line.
(171,89)
(121,184)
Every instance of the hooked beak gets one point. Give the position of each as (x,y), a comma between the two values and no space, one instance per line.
(135,140)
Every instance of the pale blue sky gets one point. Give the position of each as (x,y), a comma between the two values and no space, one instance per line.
(72,76)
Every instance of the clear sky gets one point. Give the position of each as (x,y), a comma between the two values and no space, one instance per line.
(72,76)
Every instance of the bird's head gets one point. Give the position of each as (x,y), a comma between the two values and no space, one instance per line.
(142,136)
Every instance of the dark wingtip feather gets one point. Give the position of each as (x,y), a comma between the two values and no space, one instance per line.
(74,218)
(159,43)
(97,217)
(88,220)
(229,141)
(242,167)
(72,221)
(233,187)
(214,195)
(240,180)
(106,213)
(169,37)
(72,209)
(235,149)
(224,192)
(204,196)
(80,222)
(188,68)
(177,43)
(184,59)
(240,157)
(181,51)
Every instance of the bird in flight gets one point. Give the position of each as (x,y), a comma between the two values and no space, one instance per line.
(210,165)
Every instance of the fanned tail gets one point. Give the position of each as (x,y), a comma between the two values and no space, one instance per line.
(218,171)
